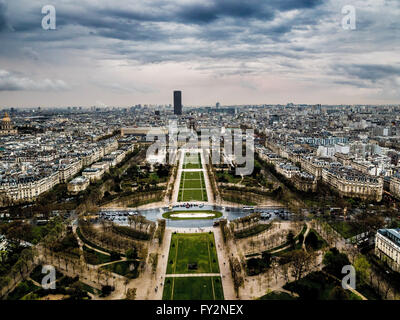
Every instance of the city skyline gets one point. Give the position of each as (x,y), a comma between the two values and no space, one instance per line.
(239,53)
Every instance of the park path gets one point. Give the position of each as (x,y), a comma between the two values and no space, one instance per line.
(190,275)
(223,260)
(288,246)
(303,245)
(112,262)
(82,243)
(257,286)
(155,287)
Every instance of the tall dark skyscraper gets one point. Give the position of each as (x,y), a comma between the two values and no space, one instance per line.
(178,102)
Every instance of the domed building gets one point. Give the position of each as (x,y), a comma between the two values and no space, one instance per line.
(6,126)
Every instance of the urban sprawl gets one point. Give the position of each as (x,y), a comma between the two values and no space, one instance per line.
(80,191)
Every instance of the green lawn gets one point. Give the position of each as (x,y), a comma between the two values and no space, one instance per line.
(22,289)
(195,175)
(345,228)
(276,295)
(216,214)
(192,187)
(317,286)
(192,166)
(38,276)
(94,257)
(193,288)
(127,269)
(192,184)
(192,195)
(252,231)
(70,288)
(189,249)
(321,241)
(192,161)
(223,176)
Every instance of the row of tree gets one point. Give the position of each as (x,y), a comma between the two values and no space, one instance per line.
(106,238)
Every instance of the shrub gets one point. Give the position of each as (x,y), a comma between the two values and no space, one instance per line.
(334,262)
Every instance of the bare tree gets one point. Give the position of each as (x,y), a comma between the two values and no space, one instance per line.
(275,270)
(300,262)
(284,269)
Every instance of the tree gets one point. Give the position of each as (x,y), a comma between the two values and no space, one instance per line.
(153,180)
(275,270)
(106,290)
(17,232)
(290,238)
(266,257)
(107,194)
(300,262)
(353,252)
(363,268)
(131,254)
(252,244)
(312,240)
(284,269)
(131,294)
(301,238)
(370,222)
(163,171)
(334,262)
(4,281)
(338,293)
(386,288)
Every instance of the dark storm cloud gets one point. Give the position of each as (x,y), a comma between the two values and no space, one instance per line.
(3,16)
(288,38)
(204,12)
(369,72)
(199,12)
(263,10)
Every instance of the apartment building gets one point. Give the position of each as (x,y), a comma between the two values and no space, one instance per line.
(387,247)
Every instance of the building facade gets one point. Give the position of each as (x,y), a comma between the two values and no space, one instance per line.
(6,127)
(78,184)
(349,183)
(394,186)
(178,103)
(387,247)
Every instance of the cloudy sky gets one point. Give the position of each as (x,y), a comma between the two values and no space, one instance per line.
(125,52)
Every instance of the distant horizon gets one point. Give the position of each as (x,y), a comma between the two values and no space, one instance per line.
(171,108)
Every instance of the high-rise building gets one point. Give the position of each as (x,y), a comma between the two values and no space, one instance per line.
(178,102)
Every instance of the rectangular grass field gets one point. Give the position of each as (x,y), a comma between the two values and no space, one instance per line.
(193,288)
(192,249)
(192,187)
(192,161)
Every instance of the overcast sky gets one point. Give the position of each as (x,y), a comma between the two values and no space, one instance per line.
(126,52)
